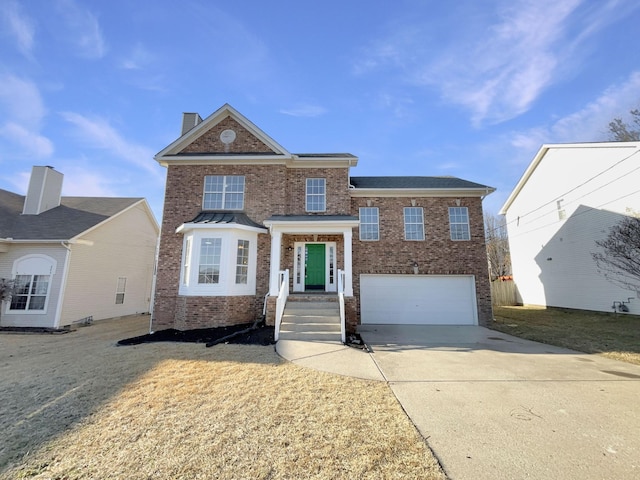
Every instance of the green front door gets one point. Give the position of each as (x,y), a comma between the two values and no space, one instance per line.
(314,273)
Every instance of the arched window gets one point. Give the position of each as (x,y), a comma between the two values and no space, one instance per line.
(32,276)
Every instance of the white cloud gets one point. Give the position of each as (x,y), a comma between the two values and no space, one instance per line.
(98,133)
(498,63)
(139,58)
(589,124)
(21,100)
(83,29)
(20,26)
(23,110)
(32,142)
(304,110)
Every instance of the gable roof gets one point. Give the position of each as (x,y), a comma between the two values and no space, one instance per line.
(544,149)
(74,216)
(442,186)
(175,148)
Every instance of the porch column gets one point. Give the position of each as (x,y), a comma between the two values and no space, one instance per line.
(348,284)
(274,268)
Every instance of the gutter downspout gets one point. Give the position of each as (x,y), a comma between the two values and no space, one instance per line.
(63,284)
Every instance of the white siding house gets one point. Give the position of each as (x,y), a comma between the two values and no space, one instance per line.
(568,198)
(74,258)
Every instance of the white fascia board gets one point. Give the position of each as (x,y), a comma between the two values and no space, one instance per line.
(222,160)
(187,227)
(322,162)
(556,146)
(421,192)
(303,226)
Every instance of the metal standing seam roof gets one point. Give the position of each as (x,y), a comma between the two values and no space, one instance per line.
(74,216)
(212,217)
(415,182)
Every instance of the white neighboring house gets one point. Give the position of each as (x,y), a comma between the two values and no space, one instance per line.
(569,197)
(74,258)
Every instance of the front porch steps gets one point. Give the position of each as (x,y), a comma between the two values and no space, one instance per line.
(311,318)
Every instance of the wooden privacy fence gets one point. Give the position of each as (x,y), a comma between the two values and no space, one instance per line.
(503,292)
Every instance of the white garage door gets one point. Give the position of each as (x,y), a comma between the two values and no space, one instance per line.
(418,299)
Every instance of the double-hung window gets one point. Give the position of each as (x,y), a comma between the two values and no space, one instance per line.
(316,195)
(242,262)
(369,227)
(223,192)
(209,264)
(30,292)
(120,290)
(459,223)
(413,223)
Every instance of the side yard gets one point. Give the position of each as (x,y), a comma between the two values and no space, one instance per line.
(78,406)
(616,336)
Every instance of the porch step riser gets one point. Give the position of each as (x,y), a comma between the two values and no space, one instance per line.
(308,327)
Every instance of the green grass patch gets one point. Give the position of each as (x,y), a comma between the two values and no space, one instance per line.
(615,336)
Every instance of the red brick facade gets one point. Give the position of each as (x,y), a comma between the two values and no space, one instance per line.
(275,187)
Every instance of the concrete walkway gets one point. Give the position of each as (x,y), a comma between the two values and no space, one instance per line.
(493,406)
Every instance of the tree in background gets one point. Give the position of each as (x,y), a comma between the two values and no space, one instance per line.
(619,260)
(6,291)
(497,242)
(623,132)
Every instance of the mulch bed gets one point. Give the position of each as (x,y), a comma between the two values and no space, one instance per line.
(244,334)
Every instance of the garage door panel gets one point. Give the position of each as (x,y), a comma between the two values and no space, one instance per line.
(418,299)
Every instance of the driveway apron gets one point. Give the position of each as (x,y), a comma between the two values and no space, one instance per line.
(493,406)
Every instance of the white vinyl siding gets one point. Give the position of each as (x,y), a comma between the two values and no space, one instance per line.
(369,223)
(316,195)
(413,223)
(223,192)
(459,223)
(125,246)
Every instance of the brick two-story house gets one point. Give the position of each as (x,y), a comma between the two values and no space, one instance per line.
(239,209)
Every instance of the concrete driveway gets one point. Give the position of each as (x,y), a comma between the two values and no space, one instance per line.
(493,406)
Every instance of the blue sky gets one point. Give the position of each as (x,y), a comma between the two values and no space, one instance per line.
(464,88)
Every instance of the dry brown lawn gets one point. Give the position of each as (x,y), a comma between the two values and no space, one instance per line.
(616,336)
(75,406)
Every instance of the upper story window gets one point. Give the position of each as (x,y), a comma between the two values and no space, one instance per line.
(369,226)
(223,192)
(413,223)
(316,195)
(459,223)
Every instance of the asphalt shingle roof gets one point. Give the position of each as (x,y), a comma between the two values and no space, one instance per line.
(414,182)
(74,216)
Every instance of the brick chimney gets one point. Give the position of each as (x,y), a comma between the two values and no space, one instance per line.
(45,188)
(189,120)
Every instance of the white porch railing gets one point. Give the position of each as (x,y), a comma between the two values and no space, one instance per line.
(283,293)
(343,329)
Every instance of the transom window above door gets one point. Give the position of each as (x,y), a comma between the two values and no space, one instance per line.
(223,192)
(316,195)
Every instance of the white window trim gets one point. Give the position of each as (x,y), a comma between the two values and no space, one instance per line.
(34,264)
(404,212)
(307,194)
(224,192)
(377,224)
(121,289)
(451,223)
(226,285)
